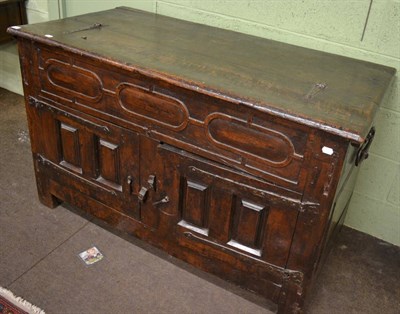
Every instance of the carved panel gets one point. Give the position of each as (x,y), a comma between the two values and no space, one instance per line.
(194,206)
(108,163)
(248,226)
(249,140)
(73,80)
(153,106)
(70,148)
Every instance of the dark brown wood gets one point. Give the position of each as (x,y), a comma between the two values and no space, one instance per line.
(231,152)
(12,12)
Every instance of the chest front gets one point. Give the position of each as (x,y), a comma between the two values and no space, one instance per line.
(236,186)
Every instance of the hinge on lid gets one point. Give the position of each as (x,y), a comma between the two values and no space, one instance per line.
(93,26)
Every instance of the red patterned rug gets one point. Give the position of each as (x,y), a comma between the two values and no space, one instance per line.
(11,304)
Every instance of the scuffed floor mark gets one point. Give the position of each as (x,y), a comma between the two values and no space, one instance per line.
(23,136)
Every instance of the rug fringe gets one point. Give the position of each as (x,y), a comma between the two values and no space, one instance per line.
(27,306)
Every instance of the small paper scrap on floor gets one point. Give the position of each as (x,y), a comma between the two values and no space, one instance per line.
(91,256)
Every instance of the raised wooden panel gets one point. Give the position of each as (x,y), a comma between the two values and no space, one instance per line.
(101,159)
(249,139)
(195,205)
(70,148)
(71,80)
(108,158)
(248,226)
(153,106)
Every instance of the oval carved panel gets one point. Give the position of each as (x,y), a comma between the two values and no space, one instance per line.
(74,80)
(153,106)
(249,140)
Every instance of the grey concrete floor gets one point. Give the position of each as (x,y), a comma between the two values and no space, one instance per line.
(39,256)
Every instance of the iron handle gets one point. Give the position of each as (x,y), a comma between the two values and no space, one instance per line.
(363,152)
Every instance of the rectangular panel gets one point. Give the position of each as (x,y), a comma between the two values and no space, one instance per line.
(108,163)
(247,226)
(242,217)
(195,204)
(70,148)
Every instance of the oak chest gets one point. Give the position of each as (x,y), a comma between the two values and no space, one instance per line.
(234,153)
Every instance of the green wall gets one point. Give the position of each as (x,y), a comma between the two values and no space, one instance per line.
(362,29)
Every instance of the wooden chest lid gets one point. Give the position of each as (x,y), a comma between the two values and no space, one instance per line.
(334,93)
